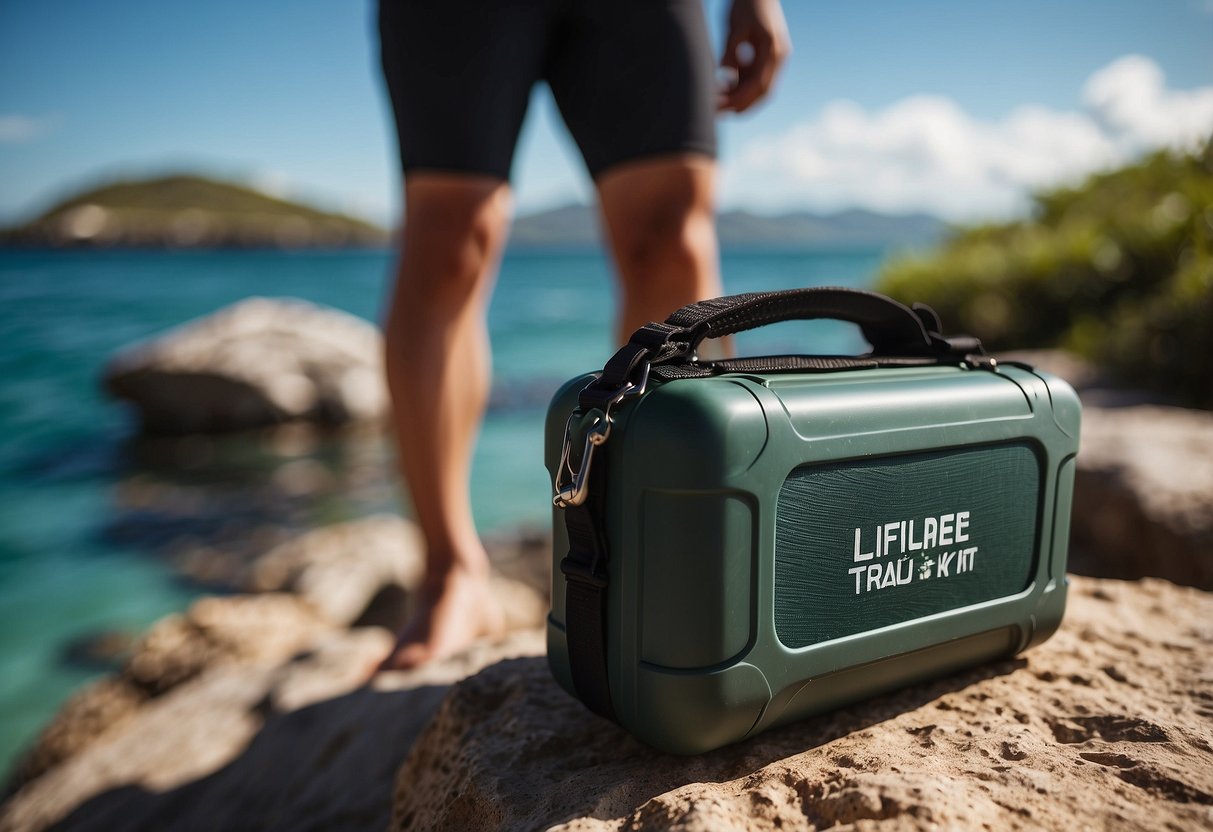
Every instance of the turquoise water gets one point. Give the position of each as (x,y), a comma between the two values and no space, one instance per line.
(92,522)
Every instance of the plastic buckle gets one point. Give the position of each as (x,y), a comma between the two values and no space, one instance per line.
(572,484)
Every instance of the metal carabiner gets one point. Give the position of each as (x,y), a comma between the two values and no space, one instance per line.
(578,479)
(573,490)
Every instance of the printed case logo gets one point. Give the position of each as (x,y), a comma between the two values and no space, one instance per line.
(864,544)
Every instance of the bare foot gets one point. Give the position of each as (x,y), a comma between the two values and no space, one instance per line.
(453,612)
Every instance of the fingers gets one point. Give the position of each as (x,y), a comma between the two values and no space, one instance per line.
(754,79)
(731,59)
(756,27)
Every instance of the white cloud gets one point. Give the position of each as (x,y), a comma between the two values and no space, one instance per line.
(927,153)
(17,129)
(1130,100)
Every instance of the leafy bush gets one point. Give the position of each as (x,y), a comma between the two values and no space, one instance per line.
(1118,269)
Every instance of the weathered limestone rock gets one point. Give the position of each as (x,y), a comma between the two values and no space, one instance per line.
(87,715)
(339,569)
(364,571)
(257,362)
(1106,725)
(1143,495)
(250,629)
(262,630)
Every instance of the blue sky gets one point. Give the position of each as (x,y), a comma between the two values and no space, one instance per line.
(945,105)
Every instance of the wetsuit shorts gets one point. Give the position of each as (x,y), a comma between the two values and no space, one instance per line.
(632,78)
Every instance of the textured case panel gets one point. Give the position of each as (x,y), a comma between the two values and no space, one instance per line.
(697,578)
(863,544)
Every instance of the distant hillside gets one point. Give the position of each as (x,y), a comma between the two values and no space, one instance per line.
(575,226)
(854,227)
(188,212)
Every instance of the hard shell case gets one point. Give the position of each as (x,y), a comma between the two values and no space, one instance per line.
(781,543)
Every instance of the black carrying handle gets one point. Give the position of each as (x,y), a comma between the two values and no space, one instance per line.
(892,328)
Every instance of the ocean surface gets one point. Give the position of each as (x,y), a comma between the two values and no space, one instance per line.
(94,522)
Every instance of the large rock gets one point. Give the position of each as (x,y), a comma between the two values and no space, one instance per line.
(366,571)
(339,569)
(249,629)
(1107,725)
(258,362)
(1143,495)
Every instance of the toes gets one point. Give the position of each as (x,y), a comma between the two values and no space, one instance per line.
(407,657)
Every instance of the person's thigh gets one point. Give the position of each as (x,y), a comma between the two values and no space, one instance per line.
(634,79)
(459,74)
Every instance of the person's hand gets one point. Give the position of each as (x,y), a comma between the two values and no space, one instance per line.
(757,46)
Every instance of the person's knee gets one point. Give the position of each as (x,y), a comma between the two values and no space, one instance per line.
(669,244)
(452,241)
(660,216)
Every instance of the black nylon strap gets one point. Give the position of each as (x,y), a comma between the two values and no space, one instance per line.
(618,371)
(585,599)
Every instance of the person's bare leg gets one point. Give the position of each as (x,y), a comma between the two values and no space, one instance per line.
(438,366)
(659,214)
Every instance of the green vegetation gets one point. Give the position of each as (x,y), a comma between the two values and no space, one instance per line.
(1118,269)
(188,212)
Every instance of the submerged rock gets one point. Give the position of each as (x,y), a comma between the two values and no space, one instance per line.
(257,362)
(1105,725)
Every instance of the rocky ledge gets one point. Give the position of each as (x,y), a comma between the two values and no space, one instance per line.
(1110,722)
(1107,725)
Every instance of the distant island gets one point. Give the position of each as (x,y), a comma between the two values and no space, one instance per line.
(187,211)
(193,212)
(576,226)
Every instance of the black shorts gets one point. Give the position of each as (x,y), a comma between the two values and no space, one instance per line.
(632,78)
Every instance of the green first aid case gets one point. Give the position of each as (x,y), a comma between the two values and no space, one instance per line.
(746,542)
